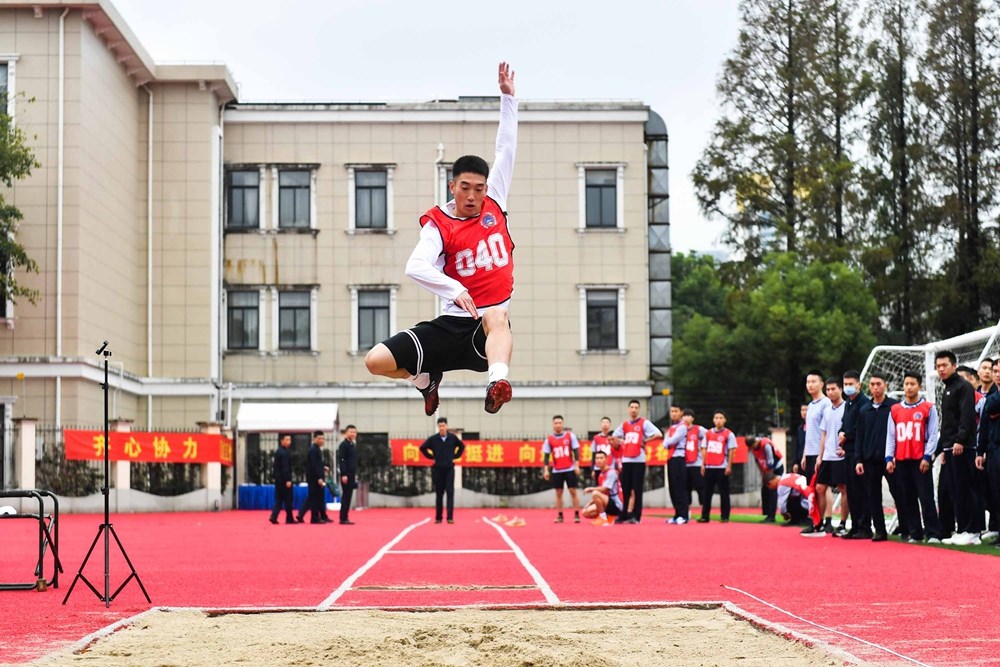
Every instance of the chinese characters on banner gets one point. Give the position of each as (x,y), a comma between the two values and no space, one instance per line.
(519,453)
(150,447)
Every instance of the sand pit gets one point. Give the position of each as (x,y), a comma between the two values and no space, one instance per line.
(522,638)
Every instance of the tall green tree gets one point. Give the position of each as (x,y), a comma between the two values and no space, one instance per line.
(840,87)
(789,317)
(959,89)
(756,165)
(897,237)
(16,162)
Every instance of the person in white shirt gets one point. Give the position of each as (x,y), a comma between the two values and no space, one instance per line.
(832,470)
(464,256)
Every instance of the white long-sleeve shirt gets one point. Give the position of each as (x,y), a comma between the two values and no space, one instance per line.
(426,264)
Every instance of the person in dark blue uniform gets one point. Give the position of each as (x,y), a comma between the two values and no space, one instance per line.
(444,448)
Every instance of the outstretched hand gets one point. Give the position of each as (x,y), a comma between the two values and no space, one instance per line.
(506,79)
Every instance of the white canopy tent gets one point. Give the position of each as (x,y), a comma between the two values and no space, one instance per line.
(286,417)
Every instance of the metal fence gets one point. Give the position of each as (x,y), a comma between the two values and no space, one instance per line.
(54,473)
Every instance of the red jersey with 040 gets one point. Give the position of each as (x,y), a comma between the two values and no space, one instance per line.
(715,447)
(635,434)
(562,451)
(478,252)
(911,429)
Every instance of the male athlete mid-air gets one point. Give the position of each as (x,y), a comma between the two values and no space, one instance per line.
(465,255)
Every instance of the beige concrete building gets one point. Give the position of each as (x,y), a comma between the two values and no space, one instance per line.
(237,252)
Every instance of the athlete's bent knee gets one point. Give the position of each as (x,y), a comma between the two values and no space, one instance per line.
(379,360)
(495,318)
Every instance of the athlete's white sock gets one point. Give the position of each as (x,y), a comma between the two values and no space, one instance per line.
(420,381)
(604,515)
(498,371)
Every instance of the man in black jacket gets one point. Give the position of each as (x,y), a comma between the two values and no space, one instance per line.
(316,479)
(958,441)
(283,481)
(847,439)
(868,460)
(347,466)
(444,448)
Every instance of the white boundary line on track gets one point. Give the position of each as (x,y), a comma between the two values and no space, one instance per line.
(828,629)
(543,585)
(450,551)
(105,631)
(346,585)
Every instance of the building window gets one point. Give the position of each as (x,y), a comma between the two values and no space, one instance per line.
(445,176)
(370,196)
(5,87)
(244,200)
(602,318)
(243,320)
(373,318)
(602,199)
(293,199)
(294,320)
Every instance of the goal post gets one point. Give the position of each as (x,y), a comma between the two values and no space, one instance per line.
(893,361)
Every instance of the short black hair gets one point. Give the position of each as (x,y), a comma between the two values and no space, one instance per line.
(442,420)
(688,412)
(833,379)
(914,375)
(635,401)
(750,440)
(852,375)
(966,369)
(946,354)
(992,361)
(719,412)
(349,427)
(470,164)
(603,418)
(318,434)
(555,417)
(818,373)
(876,374)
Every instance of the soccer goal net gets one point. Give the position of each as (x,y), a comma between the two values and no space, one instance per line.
(893,361)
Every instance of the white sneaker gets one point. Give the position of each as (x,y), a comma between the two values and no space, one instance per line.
(933,540)
(989,537)
(976,541)
(959,539)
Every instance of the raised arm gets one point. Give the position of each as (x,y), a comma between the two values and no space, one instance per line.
(502,172)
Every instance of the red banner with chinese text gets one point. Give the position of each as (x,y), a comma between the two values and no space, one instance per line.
(520,453)
(149,447)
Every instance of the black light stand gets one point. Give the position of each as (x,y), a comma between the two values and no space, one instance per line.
(106,529)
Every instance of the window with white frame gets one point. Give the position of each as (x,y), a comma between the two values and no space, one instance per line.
(243,199)
(370,199)
(5,87)
(601,199)
(445,176)
(369,204)
(602,318)
(294,199)
(294,320)
(373,318)
(242,320)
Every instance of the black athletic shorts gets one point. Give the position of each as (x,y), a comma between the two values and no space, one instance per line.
(612,509)
(447,343)
(568,478)
(832,473)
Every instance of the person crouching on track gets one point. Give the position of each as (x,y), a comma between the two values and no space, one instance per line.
(768,459)
(563,449)
(796,499)
(606,497)
(717,466)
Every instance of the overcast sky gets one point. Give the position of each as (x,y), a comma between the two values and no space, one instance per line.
(666,53)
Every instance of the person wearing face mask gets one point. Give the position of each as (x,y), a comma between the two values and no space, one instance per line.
(854,401)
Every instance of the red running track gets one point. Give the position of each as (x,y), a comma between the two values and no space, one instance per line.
(928,606)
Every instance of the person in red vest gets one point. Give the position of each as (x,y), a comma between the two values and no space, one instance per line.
(601,442)
(606,497)
(768,460)
(563,450)
(693,442)
(465,255)
(633,435)
(910,441)
(717,466)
